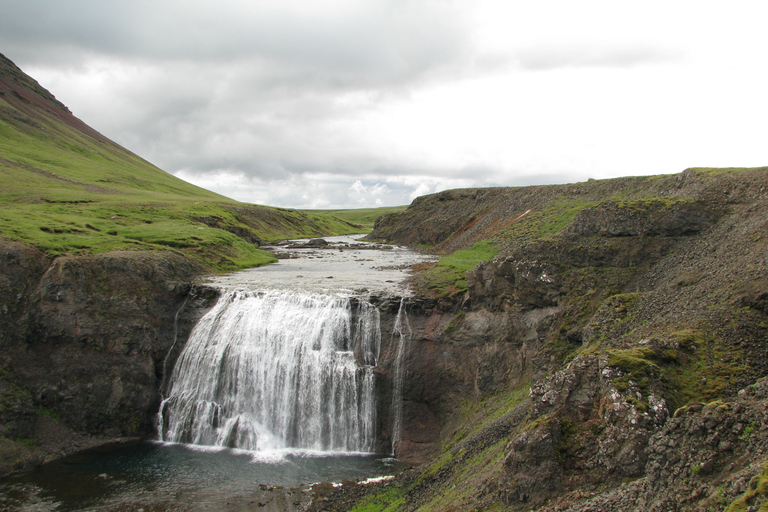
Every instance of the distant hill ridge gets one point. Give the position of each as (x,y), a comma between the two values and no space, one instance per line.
(456,219)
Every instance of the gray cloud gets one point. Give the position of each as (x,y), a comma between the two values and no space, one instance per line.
(373,43)
(242,87)
(337,102)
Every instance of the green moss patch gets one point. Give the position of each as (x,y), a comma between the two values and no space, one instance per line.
(559,216)
(637,365)
(447,277)
(691,365)
(756,493)
(708,368)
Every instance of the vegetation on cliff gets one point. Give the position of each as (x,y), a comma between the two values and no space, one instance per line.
(446,277)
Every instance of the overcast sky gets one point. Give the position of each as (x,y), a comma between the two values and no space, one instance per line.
(358,103)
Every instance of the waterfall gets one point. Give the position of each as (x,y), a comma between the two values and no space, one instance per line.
(274,370)
(401,334)
(175,336)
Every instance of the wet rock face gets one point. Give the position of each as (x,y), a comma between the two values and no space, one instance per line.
(451,359)
(454,356)
(20,268)
(118,303)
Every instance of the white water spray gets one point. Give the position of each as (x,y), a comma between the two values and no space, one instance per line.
(273,370)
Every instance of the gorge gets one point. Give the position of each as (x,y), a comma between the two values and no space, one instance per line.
(590,346)
(619,363)
(288,374)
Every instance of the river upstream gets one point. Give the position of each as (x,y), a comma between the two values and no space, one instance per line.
(273,391)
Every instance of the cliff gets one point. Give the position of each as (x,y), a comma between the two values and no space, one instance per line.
(84,341)
(612,356)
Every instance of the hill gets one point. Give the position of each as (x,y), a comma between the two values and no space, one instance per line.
(364,217)
(67,189)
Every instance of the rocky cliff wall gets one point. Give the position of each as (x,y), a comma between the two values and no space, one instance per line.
(456,219)
(451,358)
(84,342)
(612,356)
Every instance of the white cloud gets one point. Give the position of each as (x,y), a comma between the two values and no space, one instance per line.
(366,195)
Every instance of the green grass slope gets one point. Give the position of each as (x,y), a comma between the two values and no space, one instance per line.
(67,189)
(363,217)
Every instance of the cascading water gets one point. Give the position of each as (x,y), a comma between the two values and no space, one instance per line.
(401,334)
(274,370)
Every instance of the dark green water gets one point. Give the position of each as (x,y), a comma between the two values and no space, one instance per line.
(153,476)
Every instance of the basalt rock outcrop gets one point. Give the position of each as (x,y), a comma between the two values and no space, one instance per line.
(698,460)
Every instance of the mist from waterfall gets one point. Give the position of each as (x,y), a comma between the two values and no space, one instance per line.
(277,370)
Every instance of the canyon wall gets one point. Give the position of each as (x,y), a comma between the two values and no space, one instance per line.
(619,337)
(84,342)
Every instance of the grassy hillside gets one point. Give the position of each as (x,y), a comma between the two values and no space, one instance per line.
(66,189)
(363,217)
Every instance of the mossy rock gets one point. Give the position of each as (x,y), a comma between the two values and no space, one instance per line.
(757,492)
